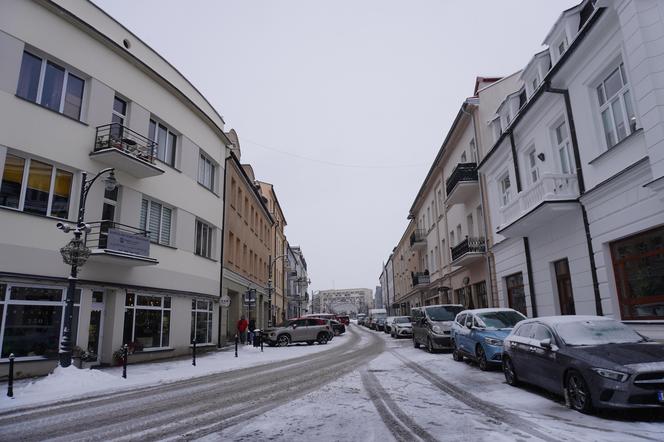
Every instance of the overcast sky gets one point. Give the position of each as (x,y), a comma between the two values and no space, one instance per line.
(341,104)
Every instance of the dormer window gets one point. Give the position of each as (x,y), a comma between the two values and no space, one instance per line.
(535,83)
(562,46)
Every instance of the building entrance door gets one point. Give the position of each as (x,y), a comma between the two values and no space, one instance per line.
(564,282)
(96,326)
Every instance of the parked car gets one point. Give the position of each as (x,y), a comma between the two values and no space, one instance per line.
(361,318)
(478,334)
(388,324)
(432,325)
(345,320)
(593,361)
(401,327)
(307,330)
(379,324)
(374,315)
(338,328)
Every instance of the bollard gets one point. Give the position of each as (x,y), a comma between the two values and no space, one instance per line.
(193,362)
(261,338)
(237,339)
(125,356)
(10,382)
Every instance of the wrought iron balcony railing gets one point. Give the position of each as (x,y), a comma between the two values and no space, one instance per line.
(468,245)
(421,278)
(462,172)
(110,235)
(117,136)
(419,235)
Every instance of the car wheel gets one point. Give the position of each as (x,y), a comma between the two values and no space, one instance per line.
(577,393)
(430,348)
(481,358)
(456,355)
(283,340)
(310,342)
(415,343)
(509,372)
(322,338)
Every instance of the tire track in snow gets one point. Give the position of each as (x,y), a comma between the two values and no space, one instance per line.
(489,409)
(402,427)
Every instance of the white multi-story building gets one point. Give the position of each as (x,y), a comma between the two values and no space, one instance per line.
(343,301)
(576,175)
(80,93)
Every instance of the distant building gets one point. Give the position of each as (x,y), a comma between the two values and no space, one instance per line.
(378,297)
(343,301)
(297,284)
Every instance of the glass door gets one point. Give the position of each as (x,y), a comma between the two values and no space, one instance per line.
(96,327)
(564,282)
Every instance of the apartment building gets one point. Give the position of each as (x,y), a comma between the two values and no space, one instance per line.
(298,283)
(80,93)
(343,301)
(276,264)
(574,177)
(405,265)
(247,245)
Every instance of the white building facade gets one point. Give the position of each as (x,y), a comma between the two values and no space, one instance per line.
(80,93)
(576,176)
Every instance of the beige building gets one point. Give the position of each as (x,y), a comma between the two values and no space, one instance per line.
(279,248)
(247,244)
(405,263)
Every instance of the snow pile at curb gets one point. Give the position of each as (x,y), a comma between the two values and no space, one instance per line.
(71,381)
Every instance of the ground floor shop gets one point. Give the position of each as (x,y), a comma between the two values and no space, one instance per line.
(153,323)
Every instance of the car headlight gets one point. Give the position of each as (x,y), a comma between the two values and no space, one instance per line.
(494,341)
(437,329)
(611,374)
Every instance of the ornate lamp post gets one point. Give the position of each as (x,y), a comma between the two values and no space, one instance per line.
(75,254)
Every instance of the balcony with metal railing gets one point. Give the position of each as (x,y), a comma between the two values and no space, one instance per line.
(120,147)
(469,250)
(115,243)
(418,239)
(421,278)
(462,184)
(552,195)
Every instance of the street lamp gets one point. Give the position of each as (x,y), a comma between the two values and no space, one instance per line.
(75,254)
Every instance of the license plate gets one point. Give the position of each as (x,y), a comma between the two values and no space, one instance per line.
(660,396)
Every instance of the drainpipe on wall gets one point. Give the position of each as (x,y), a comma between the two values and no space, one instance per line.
(531,282)
(582,190)
(488,253)
(221,256)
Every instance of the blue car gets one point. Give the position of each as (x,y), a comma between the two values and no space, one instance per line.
(478,334)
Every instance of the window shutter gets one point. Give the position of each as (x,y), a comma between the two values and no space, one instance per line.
(155,215)
(166,226)
(144,215)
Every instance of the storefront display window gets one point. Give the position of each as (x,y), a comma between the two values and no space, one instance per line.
(638,265)
(147,321)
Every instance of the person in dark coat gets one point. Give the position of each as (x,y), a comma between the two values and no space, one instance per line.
(252,327)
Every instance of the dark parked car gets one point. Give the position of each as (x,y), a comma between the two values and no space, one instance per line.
(593,361)
(345,320)
(432,325)
(338,328)
(379,324)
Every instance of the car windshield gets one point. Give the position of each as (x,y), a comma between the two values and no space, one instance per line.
(441,313)
(401,320)
(501,319)
(596,332)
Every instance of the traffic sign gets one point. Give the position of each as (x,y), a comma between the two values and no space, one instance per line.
(225,301)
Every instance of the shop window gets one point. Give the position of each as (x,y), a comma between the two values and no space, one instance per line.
(201,321)
(516,295)
(147,321)
(638,265)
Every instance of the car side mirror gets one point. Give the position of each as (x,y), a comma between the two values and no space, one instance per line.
(294,326)
(546,343)
(469,326)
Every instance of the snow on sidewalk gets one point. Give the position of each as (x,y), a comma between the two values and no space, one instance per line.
(71,382)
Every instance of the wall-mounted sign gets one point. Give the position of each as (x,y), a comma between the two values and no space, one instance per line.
(128,242)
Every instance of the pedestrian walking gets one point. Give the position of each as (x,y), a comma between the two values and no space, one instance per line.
(252,327)
(242,325)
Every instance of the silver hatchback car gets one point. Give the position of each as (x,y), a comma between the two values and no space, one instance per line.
(307,330)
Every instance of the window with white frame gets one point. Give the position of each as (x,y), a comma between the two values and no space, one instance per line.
(31,318)
(201,321)
(473,151)
(118,117)
(156,218)
(615,106)
(563,148)
(53,86)
(505,189)
(533,169)
(166,141)
(147,321)
(206,170)
(35,187)
(464,159)
(204,239)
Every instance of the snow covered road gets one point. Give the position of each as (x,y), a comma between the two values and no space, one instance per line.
(367,386)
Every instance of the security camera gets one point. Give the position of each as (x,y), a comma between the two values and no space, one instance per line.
(85,228)
(64,227)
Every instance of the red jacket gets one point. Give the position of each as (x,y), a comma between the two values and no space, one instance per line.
(242,325)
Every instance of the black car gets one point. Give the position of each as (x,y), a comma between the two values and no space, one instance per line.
(337,327)
(593,361)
